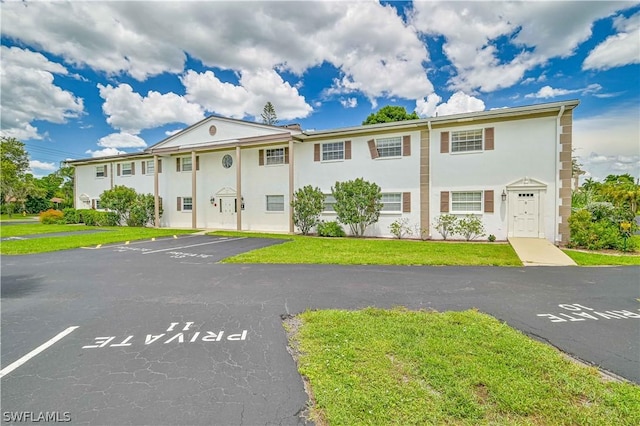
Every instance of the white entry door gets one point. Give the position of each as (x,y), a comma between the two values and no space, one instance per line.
(227,211)
(526,215)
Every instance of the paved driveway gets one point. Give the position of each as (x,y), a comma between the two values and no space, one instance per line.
(167,336)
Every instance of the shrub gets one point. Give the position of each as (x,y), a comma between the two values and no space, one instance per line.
(51,216)
(71,215)
(307,204)
(330,229)
(400,227)
(445,225)
(599,231)
(470,227)
(142,210)
(358,204)
(119,199)
(98,218)
(491,238)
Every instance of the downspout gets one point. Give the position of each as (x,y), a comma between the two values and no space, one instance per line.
(156,196)
(557,191)
(430,187)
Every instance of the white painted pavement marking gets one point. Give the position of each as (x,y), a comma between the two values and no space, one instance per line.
(585,313)
(195,245)
(9,368)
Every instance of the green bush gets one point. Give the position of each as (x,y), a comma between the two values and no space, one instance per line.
(307,203)
(445,225)
(400,228)
(358,204)
(470,227)
(598,228)
(51,217)
(71,215)
(330,229)
(98,218)
(491,238)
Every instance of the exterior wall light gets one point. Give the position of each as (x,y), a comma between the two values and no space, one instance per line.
(503,196)
(212,200)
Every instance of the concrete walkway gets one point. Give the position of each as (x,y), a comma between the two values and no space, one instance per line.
(539,252)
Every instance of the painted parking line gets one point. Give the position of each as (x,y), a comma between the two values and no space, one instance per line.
(9,368)
(195,245)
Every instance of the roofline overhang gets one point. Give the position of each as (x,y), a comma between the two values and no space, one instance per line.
(552,107)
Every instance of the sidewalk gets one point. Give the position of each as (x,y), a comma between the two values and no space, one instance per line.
(539,252)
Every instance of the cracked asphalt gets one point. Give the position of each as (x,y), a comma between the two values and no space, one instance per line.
(166,335)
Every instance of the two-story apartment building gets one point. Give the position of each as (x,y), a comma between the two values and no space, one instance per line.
(511,167)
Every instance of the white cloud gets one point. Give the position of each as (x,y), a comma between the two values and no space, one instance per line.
(367,42)
(172,132)
(619,49)
(122,140)
(537,31)
(130,112)
(458,103)
(248,98)
(349,102)
(549,92)
(106,152)
(29,93)
(41,165)
(603,140)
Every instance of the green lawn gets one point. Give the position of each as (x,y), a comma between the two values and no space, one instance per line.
(17,216)
(597,259)
(400,367)
(360,251)
(47,244)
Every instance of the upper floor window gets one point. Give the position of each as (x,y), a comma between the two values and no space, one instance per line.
(150,167)
(389,147)
(274,156)
(392,202)
(186,164)
(333,151)
(466,140)
(101,171)
(470,201)
(126,169)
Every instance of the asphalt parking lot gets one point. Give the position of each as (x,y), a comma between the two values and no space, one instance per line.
(160,333)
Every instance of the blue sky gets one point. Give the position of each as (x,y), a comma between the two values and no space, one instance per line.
(84,79)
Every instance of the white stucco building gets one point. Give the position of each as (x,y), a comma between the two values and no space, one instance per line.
(510,166)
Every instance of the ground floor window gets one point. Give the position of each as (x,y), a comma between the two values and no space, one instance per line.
(187,203)
(469,201)
(275,203)
(329,201)
(392,202)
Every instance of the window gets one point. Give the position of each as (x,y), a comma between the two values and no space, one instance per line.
(101,171)
(150,167)
(274,156)
(126,169)
(466,140)
(389,147)
(275,203)
(466,201)
(186,164)
(187,203)
(392,202)
(98,205)
(333,151)
(329,201)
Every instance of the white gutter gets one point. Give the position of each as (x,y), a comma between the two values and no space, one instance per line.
(430,174)
(558,163)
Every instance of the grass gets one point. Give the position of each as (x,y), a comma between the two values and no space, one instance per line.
(597,259)
(465,368)
(360,251)
(16,216)
(48,244)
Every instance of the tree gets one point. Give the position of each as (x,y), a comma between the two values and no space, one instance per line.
(357,204)
(120,199)
(307,204)
(14,164)
(390,113)
(142,212)
(269,114)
